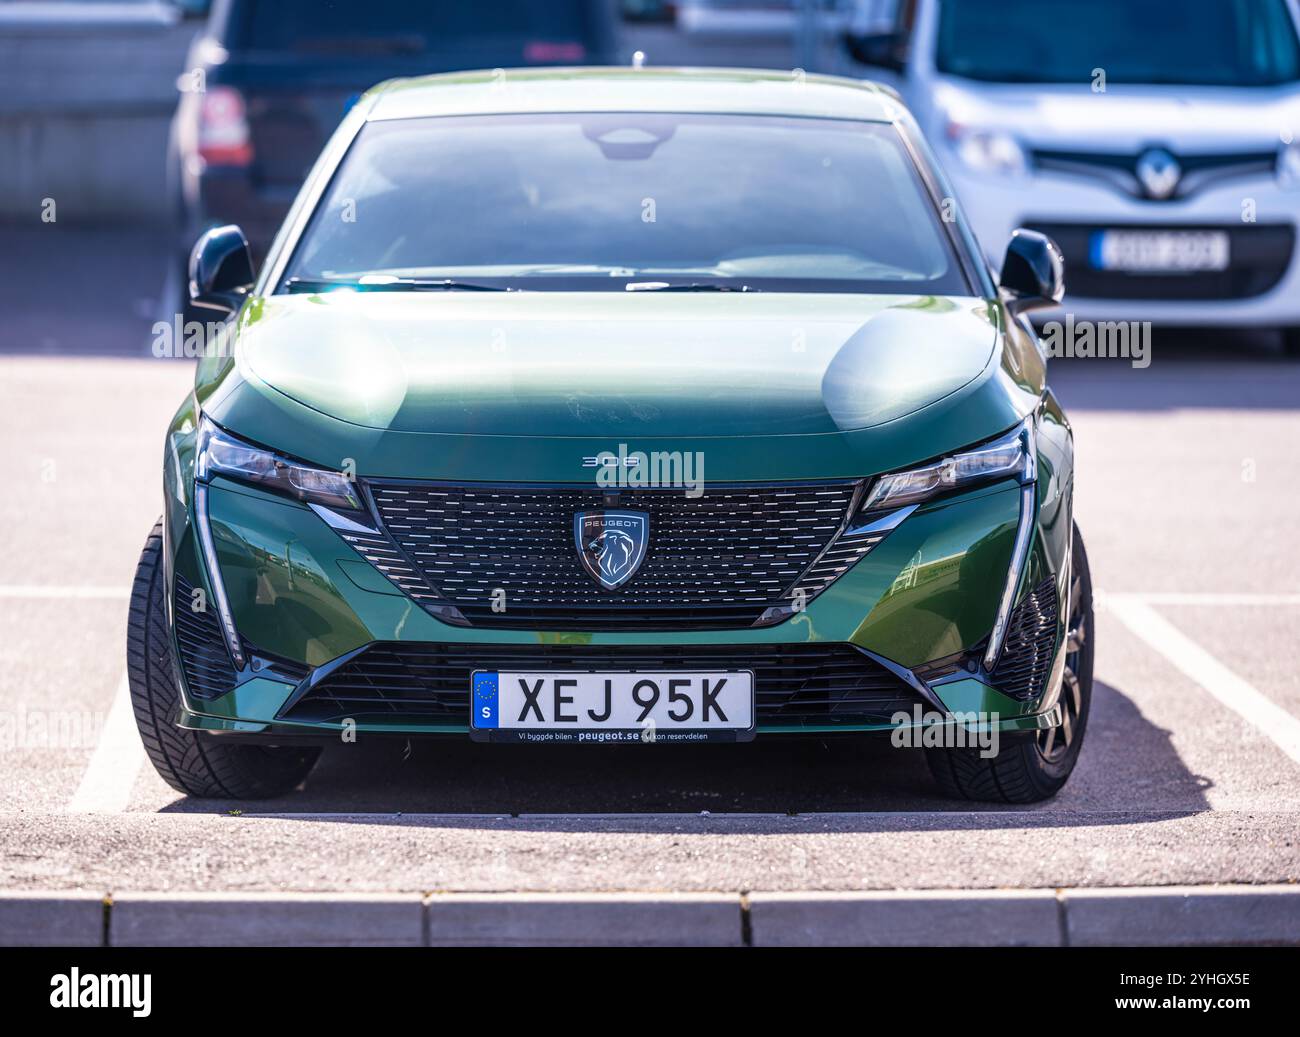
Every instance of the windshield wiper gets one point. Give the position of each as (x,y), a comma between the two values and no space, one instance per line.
(692,286)
(397,284)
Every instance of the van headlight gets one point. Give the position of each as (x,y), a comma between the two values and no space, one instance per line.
(1010,455)
(988,151)
(220,453)
(1288,165)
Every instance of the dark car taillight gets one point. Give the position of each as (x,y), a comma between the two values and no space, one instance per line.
(224,139)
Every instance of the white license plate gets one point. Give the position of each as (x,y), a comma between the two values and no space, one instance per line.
(570,706)
(1160,252)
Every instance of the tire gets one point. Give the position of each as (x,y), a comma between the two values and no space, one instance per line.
(189,761)
(1029,769)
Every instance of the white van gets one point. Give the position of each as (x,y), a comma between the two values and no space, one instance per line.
(1158,143)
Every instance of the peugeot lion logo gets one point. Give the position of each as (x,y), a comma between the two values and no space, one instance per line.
(611,544)
(1159,173)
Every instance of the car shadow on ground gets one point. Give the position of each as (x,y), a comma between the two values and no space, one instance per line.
(1128,770)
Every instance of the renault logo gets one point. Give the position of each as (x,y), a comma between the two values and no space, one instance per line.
(1159,173)
(611,544)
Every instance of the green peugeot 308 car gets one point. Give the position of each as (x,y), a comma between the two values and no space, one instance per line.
(618,406)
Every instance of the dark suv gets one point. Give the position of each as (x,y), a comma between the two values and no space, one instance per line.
(267,82)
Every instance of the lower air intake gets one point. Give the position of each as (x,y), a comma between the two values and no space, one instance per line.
(1030,644)
(800,685)
(209,672)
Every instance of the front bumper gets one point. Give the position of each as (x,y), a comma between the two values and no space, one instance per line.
(306,604)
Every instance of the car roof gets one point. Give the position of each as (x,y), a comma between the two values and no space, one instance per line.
(714,90)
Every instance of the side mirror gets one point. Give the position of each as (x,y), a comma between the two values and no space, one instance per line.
(221,270)
(1033,272)
(881,50)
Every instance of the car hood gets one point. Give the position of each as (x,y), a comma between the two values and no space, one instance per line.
(1124,118)
(523,385)
(612,363)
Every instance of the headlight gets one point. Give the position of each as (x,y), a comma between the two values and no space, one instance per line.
(1009,455)
(988,151)
(222,454)
(1288,165)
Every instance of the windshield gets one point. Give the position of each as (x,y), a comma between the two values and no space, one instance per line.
(350,28)
(638,201)
(1190,42)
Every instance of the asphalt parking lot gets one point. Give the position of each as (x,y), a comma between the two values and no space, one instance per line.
(1186,496)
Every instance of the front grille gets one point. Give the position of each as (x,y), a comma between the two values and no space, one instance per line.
(209,672)
(1259,255)
(1119,169)
(504,556)
(794,685)
(1030,644)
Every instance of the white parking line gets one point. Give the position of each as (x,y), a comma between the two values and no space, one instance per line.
(106,786)
(1200,666)
(84,591)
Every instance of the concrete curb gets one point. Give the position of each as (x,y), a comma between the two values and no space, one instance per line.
(1145,916)
(584,919)
(960,918)
(265,919)
(1177,916)
(51,920)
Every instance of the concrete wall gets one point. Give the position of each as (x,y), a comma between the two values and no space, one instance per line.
(86,95)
